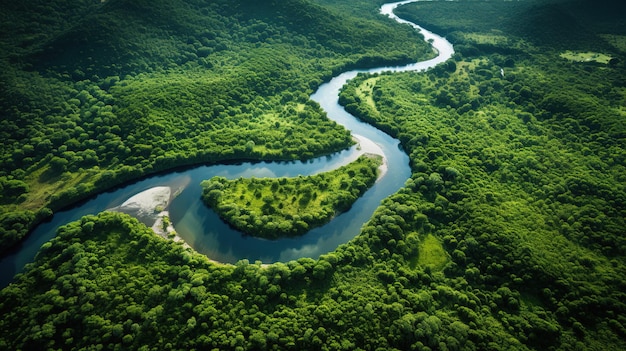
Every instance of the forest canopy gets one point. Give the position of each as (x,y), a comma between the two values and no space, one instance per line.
(509,234)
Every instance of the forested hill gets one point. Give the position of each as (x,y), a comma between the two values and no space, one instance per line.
(527,123)
(94,94)
(560,24)
(123,36)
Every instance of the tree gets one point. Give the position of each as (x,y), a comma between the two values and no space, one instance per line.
(58,165)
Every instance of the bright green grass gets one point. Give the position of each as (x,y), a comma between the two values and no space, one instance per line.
(277,207)
(487,38)
(432,254)
(586,57)
(365,92)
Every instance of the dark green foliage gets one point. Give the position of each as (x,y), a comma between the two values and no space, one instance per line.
(15,225)
(520,172)
(520,177)
(12,188)
(557,24)
(108,280)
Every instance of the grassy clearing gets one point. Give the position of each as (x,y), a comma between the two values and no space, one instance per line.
(365,92)
(44,186)
(432,253)
(586,57)
(486,38)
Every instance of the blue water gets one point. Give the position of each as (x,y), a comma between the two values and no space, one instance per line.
(205,232)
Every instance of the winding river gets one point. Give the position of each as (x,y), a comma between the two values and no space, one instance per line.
(203,230)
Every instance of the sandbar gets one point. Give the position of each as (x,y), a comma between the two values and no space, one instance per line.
(367,146)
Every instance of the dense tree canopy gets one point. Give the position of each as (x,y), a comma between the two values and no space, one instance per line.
(507,236)
(518,167)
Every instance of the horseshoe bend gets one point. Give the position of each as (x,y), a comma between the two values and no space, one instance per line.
(206,233)
(498,223)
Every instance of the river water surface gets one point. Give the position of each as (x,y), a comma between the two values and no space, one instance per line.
(204,231)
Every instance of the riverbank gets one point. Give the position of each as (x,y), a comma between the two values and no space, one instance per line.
(209,235)
(167,231)
(367,146)
(149,207)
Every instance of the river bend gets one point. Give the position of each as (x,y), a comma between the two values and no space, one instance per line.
(203,230)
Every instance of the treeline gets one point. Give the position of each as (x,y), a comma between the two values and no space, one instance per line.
(100,93)
(277,207)
(557,24)
(121,37)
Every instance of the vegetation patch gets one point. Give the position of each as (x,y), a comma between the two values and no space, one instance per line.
(278,207)
(432,253)
(365,92)
(521,176)
(496,38)
(518,166)
(586,57)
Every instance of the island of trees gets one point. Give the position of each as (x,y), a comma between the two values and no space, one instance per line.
(509,235)
(277,207)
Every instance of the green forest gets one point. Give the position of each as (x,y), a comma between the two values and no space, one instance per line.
(95,94)
(509,234)
(277,207)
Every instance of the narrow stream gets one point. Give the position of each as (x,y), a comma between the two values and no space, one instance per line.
(203,230)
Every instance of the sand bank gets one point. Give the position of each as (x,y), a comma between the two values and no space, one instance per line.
(367,146)
(149,207)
